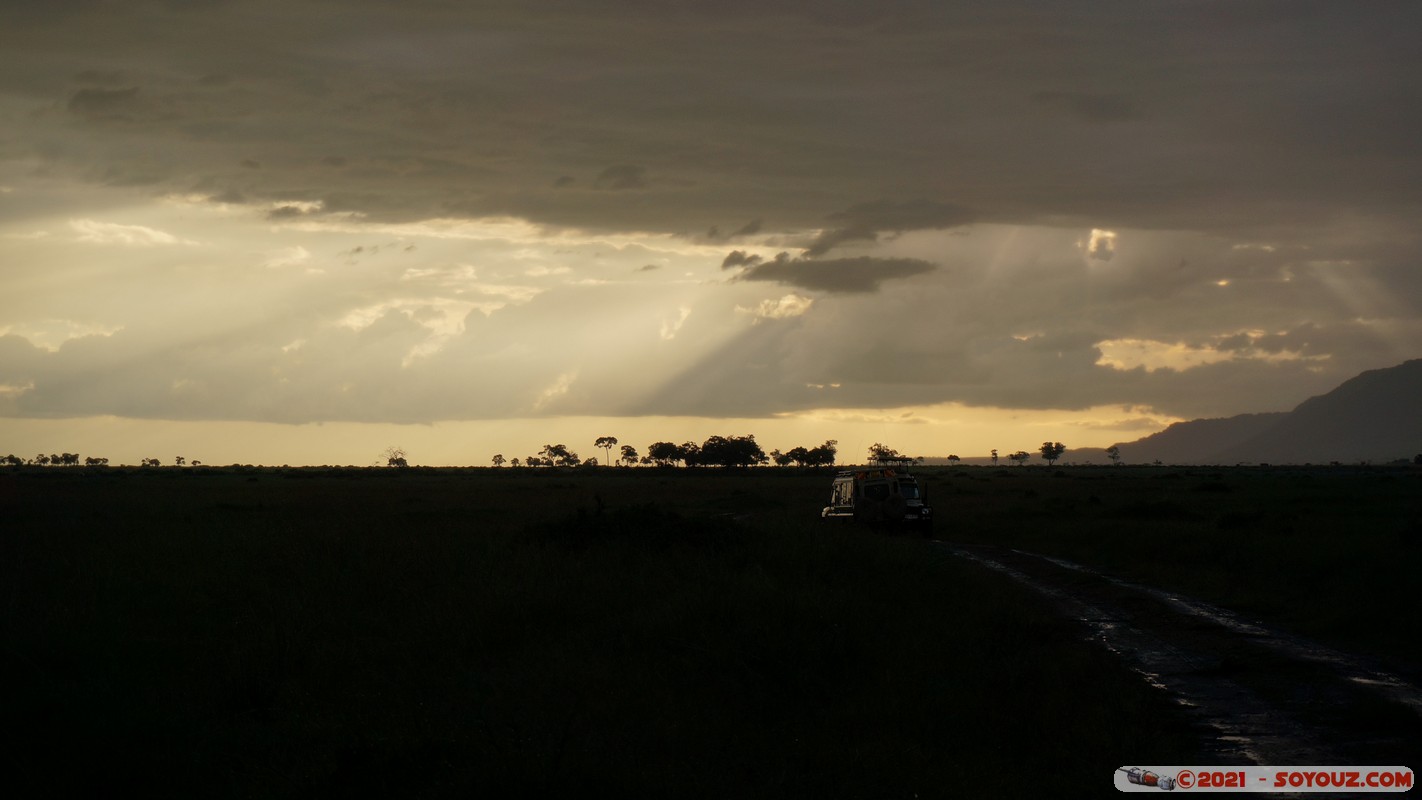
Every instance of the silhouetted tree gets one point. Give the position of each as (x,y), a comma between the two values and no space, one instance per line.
(559,455)
(663,453)
(780,459)
(606,443)
(514,463)
(395,457)
(1020,457)
(96,462)
(731,451)
(689,453)
(954,459)
(629,455)
(824,455)
(14,460)
(1052,451)
(150,462)
(499,460)
(1114,453)
(179,461)
(883,454)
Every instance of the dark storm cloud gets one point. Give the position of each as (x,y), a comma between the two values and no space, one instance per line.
(739,258)
(105,103)
(834,275)
(713,234)
(621,176)
(749,229)
(884,215)
(1270,113)
(101,78)
(1091,107)
(866,221)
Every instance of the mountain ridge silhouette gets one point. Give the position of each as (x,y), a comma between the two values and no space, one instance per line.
(1375,416)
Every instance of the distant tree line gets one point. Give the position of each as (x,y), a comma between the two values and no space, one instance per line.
(721,451)
(717,451)
(54,459)
(72,460)
(822,456)
(741,451)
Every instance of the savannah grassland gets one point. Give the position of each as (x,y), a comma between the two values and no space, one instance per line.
(679,632)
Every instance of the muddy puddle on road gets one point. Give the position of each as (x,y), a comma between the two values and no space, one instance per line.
(1262,696)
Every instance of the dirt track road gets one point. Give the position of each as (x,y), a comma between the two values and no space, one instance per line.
(1261,695)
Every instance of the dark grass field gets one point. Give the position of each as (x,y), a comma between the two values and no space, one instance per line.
(267,632)
(1329,553)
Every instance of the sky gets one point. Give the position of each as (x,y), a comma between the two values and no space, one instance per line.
(279,231)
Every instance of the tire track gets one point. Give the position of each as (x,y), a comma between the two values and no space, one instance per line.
(1262,696)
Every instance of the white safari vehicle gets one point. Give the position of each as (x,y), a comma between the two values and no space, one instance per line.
(878,495)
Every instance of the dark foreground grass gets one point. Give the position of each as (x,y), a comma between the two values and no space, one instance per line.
(1332,553)
(436,633)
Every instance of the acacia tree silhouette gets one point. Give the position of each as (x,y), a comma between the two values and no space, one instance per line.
(731,451)
(663,453)
(558,455)
(395,457)
(606,443)
(1052,451)
(883,454)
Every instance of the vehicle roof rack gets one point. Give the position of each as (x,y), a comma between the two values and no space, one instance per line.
(864,472)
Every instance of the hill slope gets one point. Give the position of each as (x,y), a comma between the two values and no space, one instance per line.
(1376,416)
(1198,441)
